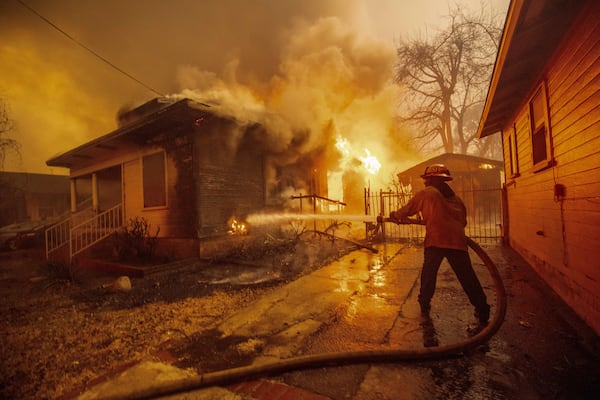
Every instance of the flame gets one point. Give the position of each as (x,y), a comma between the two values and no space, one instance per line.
(343,146)
(370,163)
(237,227)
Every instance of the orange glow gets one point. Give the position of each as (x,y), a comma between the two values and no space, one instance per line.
(365,164)
(237,227)
(370,163)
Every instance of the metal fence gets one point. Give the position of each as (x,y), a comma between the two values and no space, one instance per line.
(484,213)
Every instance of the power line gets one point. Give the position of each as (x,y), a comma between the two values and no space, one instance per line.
(88,49)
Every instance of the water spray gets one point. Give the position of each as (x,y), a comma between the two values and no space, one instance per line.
(271,218)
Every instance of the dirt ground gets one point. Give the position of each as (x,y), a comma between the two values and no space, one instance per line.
(60,332)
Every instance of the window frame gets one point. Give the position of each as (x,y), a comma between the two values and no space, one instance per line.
(513,153)
(164,202)
(535,130)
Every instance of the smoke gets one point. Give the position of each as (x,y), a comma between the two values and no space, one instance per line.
(308,70)
(331,83)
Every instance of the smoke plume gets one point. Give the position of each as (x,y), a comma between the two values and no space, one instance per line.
(330,84)
(308,70)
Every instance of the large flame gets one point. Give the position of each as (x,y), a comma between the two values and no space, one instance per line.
(352,161)
(370,163)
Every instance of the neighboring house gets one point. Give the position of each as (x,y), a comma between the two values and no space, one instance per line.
(180,165)
(544,98)
(32,197)
(469,172)
(477,180)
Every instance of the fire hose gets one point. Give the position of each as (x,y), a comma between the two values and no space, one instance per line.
(233,375)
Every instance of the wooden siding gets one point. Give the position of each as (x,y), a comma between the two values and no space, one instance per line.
(176,219)
(132,188)
(230,171)
(560,237)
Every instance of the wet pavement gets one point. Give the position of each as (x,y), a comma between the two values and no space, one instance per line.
(367,301)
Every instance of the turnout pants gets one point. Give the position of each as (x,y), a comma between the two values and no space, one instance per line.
(460,262)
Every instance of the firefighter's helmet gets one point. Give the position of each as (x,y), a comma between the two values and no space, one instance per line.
(438,170)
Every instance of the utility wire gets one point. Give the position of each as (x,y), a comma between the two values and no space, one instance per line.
(88,49)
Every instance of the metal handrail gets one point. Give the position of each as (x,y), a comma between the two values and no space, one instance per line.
(93,230)
(57,236)
(80,236)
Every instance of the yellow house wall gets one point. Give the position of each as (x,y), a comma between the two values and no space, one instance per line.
(560,237)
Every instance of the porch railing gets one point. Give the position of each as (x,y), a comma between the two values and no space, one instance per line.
(57,236)
(78,236)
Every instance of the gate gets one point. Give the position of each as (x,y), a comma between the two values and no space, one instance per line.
(484,213)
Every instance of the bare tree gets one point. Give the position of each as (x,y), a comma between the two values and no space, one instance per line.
(7,144)
(446,78)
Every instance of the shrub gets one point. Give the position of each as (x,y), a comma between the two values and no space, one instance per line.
(134,242)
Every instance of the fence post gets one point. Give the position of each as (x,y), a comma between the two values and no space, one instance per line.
(382,211)
(367,204)
(314,212)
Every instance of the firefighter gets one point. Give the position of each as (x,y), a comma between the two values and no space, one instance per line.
(445,217)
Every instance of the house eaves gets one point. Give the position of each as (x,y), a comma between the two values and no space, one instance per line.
(103,145)
(532,32)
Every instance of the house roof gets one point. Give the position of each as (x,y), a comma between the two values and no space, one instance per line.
(532,32)
(156,115)
(455,162)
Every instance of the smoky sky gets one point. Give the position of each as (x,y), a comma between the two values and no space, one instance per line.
(150,39)
(297,66)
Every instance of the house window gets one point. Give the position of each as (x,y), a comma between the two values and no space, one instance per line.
(541,149)
(513,155)
(154,180)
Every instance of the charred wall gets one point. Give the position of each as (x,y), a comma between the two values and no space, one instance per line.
(230,171)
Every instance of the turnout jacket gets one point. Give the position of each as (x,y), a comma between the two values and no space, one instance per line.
(445,218)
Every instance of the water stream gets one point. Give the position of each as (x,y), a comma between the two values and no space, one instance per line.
(271,218)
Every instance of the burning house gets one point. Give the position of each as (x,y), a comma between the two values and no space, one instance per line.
(183,166)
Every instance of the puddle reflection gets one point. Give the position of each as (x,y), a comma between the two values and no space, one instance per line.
(377,272)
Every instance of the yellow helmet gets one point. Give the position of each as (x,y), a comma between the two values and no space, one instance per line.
(438,170)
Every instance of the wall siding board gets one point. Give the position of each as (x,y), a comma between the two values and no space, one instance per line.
(576,56)
(566,254)
(579,159)
(579,118)
(581,192)
(230,176)
(226,194)
(578,73)
(586,139)
(132,188)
